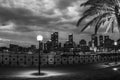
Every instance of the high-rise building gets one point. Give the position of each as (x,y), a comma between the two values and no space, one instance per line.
(101,40)
(45,46)
(41,46)
(33,48)
(106,37)
(118,42)
(83,46)
(90,43)
(108,43)
(71,43)
(83,43)
(70,38)
(106,40)
(54,40)
(14,48)
(48,46)
(94,40)
(60,45)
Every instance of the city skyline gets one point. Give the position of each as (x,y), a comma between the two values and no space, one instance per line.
(20,23)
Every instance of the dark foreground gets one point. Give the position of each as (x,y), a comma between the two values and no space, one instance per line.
(71,72)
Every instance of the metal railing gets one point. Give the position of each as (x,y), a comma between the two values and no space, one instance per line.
(32,60)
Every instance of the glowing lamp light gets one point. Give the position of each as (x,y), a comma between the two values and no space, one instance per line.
(29,74)
(115,43)
(115,69)
(39,38)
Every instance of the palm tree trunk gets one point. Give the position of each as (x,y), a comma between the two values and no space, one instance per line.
(118,22)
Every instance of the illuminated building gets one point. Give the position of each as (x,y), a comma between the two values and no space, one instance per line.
(101,40)
(82,43)
(70,44)
(94,40)
(48,46)
(70,38)
(107,41)
(14,48)
(54,40)
(118,41)
(33,48)
(83,46)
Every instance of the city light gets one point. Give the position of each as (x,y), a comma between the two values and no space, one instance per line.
(30,74)
(115,43)
(99,43)
(39,38)
(115,69)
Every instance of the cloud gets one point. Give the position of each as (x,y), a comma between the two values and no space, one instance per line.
(23,15)
(19,17)
(23,20)
(7,26)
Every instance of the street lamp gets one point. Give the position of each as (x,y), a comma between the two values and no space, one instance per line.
(39,39)
(115,45)
(115,69)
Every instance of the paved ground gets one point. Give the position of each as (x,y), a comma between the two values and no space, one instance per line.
(71,72)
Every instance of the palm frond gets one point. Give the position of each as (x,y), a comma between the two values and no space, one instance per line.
(80,20)
(101,11)
(87,13)
(99,2)
(95,19)
(86,26)
(112,26)
(98,25)
(94,10)
(108,27)
(97,9)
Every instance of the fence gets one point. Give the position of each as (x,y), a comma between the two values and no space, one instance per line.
(32,60)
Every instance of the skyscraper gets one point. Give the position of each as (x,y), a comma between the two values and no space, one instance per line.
(106,37)
(94,40)
(83,43)
(70,41)
(54,40)
(106,40)
(48,46)
(118,41)
(101,40)
(70,38)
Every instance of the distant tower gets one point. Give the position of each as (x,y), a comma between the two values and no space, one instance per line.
(71,43)
(106,37)
(70,37)
(90,43)
(83,43)
(94,40)
(107,41)
(101,40)
(54,40)
(118,41)
(48,45)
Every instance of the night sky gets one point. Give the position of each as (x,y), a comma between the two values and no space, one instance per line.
(22,20)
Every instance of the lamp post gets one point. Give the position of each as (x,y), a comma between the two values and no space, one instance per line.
(115,45)
(39,39)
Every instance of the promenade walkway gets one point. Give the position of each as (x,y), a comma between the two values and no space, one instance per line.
(101,71)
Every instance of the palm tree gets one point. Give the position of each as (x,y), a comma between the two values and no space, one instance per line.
(103,13)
